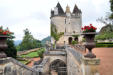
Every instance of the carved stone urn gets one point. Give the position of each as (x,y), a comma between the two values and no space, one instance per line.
(3,45)
(90,44)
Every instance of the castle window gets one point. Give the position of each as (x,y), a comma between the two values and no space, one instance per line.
(65,20)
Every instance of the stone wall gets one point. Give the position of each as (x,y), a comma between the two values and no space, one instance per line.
(71,26)
(73,62)
(10,66)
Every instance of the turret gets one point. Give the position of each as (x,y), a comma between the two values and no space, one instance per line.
(76,10)
(68,13)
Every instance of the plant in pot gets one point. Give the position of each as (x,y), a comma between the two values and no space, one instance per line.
(4,34)
(89,33)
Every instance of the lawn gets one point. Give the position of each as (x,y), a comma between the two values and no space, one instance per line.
(24,61)
(33,54)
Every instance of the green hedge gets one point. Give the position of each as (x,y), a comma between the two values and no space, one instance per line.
(104,45)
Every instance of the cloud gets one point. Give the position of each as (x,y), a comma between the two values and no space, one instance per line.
(35,14)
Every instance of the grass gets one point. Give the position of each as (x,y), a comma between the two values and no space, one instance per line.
(33,54)
(24,61)
(38,53)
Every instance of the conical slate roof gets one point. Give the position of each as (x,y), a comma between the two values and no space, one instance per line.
(60,10)
(76,10)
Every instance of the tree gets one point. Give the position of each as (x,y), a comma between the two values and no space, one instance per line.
(28,41)
(111,7)
(11,50)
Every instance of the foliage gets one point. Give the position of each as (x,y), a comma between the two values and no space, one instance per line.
(24,61)
(89,29)
(76,36)
(38,53)
(105,20)
(55,34)
(83,40)
(104,45)
(32,54)
(11,50)
(106,29)
(39,43)
(28,41)
(111,7)
(74,42)
(104,36)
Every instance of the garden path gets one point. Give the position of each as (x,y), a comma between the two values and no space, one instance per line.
(32,61)
(106,57)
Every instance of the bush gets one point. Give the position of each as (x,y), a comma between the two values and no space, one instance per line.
(104,45)
(74,42)
(11,50)
(40,52)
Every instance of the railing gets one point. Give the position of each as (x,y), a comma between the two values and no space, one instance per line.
(77,55)
(80,47)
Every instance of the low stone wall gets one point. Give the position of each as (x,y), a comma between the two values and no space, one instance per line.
(27,51)
(73,62)
(80,47)
(43,67)
(10,66)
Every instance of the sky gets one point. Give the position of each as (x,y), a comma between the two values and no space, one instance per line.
(18,15)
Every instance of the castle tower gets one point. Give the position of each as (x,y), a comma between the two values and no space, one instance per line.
(68,22)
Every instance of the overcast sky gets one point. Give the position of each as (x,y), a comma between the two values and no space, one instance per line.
(35,14)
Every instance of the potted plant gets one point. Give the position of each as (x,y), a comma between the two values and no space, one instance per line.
(89,33)
(4,34)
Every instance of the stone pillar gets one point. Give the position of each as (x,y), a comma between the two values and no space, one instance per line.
(90,66)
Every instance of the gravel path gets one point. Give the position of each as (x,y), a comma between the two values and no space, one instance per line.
(106,57)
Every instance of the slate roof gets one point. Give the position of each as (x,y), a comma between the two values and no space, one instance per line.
(76,10)
(60,9)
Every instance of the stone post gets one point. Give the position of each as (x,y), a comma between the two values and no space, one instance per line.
(90,66)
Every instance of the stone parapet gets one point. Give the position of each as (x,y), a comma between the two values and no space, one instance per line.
(10,66)
(90,66)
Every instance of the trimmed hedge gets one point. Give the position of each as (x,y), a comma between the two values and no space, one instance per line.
(104,45)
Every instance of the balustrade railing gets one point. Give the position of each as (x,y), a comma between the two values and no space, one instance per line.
(77,55)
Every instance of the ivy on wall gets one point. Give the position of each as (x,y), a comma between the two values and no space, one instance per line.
(55,34)
(75,36)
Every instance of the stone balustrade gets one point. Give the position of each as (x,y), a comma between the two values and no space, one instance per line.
(76,54)
(13,67)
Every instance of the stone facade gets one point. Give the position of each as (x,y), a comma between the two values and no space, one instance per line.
(67,22)
(10,66)
(90,66)
(73,63)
